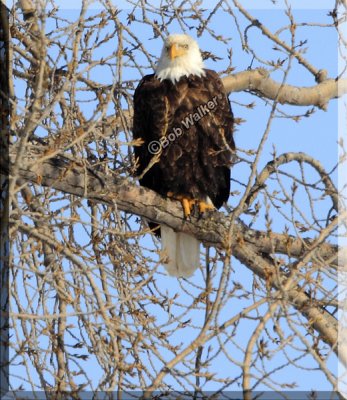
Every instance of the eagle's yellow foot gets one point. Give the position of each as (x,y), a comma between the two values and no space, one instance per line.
(203,207)
(187,205)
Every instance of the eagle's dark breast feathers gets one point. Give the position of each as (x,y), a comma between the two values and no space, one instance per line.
(193,122)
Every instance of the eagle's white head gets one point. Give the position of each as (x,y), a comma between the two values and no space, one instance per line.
(180,57)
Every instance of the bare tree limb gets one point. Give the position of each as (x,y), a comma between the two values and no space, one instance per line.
(258,80)
(71,177)
(319,75)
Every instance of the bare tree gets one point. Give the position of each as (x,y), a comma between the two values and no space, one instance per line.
(90,306)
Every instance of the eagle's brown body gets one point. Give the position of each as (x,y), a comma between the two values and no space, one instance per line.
(193,122)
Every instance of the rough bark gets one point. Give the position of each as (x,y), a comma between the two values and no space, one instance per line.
(258,80)
(69,176)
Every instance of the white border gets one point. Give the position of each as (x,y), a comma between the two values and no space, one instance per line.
(209,4)
(342,186)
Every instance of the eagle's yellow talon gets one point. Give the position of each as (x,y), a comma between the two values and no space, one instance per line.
(203,207)
(187,205)
(186,208)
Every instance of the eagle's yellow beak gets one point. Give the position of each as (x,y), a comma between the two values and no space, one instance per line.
(175,51)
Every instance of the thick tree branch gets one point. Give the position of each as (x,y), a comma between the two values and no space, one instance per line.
(69,176)
(320,319)
(258,80)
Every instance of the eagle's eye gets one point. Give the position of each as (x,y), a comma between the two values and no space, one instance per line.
(185,46)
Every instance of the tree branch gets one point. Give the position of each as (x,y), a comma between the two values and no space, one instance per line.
(72,177)
(258,80)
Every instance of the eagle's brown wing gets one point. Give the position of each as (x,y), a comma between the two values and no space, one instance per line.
(149,114)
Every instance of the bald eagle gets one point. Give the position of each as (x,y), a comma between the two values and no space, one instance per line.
(184,118)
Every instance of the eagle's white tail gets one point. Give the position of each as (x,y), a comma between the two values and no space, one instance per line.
(182,252)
